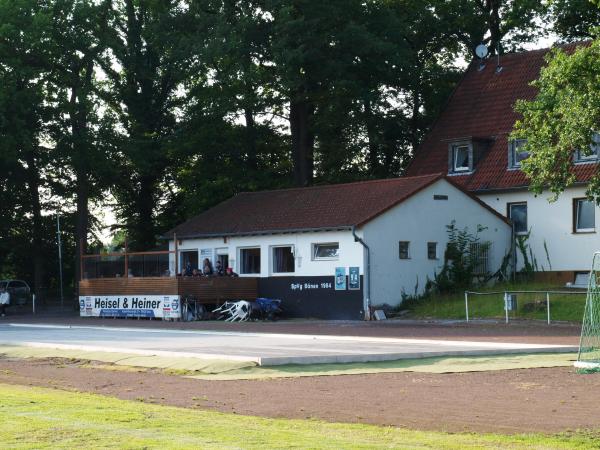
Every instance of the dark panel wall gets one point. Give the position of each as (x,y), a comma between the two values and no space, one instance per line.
(313,297)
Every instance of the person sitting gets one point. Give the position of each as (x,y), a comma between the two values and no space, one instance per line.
(188,270)
(207,268)
(231,273)
(219,270)
(196,273)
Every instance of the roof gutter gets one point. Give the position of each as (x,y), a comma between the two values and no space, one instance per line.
(255,233)
(367,296)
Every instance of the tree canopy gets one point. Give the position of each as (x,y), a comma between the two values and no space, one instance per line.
(160,110)
(564,117)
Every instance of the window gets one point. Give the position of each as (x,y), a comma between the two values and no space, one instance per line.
(250,260)
(584,212)
(189,260)
(404,249)
(594,151)
(479,252)
(517,153)
(517,213)
(460,157)
(432,250)
(327,251)
(283,259)
(222,256)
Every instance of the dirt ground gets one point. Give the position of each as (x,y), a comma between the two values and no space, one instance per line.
(510,401)
(523,331)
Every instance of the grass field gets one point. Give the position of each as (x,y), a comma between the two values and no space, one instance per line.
(563,307)
(46,418)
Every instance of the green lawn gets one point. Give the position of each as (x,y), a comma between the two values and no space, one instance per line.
(565,307)
(45,418)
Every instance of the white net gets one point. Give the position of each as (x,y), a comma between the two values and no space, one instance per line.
(589,344)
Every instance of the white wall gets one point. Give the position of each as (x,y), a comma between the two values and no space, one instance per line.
(552,224)
(350,252)
(421,219)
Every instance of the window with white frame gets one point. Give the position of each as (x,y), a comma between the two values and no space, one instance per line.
(404,249)
(283,259)
(432,250)
(326,251)
(517,213)
(460,157)
(584,216)
(250,260)
(593,154)
(517,152)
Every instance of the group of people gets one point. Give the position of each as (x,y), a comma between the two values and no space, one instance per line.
(208,270)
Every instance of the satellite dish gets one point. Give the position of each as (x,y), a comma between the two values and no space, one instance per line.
(481,51)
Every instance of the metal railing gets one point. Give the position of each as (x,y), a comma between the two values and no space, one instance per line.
(508,306)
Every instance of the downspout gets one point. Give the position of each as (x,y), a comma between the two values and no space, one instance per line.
(367,297)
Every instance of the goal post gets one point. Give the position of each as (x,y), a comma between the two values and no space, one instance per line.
(588,356)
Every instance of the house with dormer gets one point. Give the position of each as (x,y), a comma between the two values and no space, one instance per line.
(470,142)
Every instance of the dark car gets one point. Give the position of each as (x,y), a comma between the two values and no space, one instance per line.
(20,292)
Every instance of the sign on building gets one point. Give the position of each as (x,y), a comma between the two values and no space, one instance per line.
(354,278)
(340,278)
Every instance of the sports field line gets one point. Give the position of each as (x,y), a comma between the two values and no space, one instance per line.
(312,337)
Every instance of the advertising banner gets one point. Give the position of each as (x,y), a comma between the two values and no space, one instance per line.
(340,278)
(148,306)
(354,279)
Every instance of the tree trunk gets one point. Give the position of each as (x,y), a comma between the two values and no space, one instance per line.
(373,156)
(33,184)
(250,138)
(82,225)
(144,236)
(302,141)
(415,137)
(493,11)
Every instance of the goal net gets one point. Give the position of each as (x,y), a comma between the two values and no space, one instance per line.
(589,343)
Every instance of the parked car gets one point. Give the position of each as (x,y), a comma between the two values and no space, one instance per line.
(19,290)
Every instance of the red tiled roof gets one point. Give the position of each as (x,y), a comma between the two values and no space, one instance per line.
(312,208)
(482,107)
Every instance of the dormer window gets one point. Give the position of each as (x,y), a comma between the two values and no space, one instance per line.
(517,153)
(460,157)
(594,151)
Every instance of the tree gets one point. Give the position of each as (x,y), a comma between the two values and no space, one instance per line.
(147,60)
(77,125)
(504,23)
(563,117)
(24,64)
(574,19)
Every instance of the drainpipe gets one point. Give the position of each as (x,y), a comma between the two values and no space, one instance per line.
(367,297)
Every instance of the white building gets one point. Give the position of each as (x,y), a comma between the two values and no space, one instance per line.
(390,233)
(469,142)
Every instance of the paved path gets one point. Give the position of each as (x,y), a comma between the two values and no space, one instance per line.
(263,348)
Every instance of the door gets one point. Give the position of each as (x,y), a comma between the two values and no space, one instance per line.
(189,257)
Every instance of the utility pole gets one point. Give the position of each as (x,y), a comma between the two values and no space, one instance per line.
(60,265)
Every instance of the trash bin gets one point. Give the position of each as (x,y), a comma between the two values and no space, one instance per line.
(510,302)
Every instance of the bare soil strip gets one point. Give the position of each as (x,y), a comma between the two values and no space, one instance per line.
(507,401)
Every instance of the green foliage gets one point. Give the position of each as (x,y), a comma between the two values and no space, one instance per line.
(575,19)
(562,118)
(169,108)
(461,259)
(530,265)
